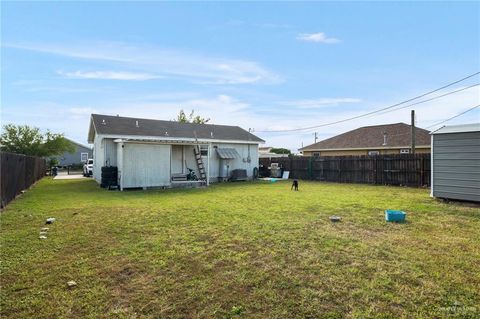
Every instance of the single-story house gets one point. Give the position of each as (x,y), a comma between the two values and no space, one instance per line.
(81,154)
(154,153)
(265,152)
(372,140)
(455,164)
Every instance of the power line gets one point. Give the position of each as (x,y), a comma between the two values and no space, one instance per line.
(433,98)
(443,121)
(373,112)
(451,118)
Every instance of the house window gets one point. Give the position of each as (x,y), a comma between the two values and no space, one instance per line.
(316,154)
(373,153)
(83,157)
(204,150)
(405,151)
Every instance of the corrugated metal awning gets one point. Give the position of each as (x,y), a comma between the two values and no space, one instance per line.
(227,153)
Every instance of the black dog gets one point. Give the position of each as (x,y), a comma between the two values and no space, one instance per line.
(294,184)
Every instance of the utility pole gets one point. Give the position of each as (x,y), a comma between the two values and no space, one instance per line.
(413,132)
(316,136)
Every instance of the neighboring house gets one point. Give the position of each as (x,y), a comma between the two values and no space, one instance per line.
(265,152)
(152,153)
(372,140)
(455,164)
(78,157)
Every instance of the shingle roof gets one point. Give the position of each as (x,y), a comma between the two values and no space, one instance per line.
(117,125)
(398,135)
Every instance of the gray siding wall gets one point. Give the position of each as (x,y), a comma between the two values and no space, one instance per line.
(74,158)
(456,166)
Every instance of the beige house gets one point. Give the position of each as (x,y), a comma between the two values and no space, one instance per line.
(265,152)
(372,140)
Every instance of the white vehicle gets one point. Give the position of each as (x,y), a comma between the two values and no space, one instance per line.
(88,168)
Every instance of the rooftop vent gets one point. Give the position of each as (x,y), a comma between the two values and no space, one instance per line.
(211,134)
(384,138)
(103,122)
(166,133)
(136,123)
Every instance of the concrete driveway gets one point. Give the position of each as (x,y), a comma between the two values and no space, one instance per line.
(64,175)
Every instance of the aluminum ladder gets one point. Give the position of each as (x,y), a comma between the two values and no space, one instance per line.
(199,160)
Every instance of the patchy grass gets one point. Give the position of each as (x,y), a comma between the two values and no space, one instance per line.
(244,250)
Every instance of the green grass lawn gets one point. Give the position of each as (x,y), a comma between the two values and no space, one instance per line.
(243,250)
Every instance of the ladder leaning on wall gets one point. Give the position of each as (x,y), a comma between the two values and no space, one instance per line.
(198,159)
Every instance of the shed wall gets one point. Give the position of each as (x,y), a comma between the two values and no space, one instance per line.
(456,166)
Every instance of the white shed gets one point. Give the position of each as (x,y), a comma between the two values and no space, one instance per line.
(154,153)
(455,162)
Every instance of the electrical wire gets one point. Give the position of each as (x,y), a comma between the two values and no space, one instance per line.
(455,116)
(431,99)
(372,112)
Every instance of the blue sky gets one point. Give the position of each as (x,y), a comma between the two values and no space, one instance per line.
(267,66)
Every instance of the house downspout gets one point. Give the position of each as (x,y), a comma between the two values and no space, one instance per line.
(208,163)
(121,168)
(431,166)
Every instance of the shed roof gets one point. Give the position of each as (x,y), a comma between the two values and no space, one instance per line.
(128,126)
(473,127)
(398,135)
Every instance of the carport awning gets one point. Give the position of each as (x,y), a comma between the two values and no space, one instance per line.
(227,153)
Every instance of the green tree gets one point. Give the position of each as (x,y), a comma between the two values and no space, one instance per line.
(280,150)
(191,118)
(23,139)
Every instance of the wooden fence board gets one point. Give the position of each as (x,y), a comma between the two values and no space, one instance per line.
(404,169)
(18,172)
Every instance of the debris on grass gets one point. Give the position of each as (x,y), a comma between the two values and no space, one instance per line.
(71,284)
(395,216)
(335,218)
(42,237)
(44,229)
(50,220)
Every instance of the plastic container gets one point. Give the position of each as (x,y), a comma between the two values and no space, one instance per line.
(395,215)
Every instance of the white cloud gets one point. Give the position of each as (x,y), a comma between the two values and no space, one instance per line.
(426,113)
(175,63)
(109,75)
(320,103)
(231,110)
(318,37)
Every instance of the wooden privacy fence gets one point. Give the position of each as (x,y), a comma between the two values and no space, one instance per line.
(18,172)
(404,169)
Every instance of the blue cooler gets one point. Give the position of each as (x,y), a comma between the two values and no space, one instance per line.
(395,215)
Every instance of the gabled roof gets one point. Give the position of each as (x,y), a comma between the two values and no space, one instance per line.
(473,127)
(367,137)
(128,126)
(79,144)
